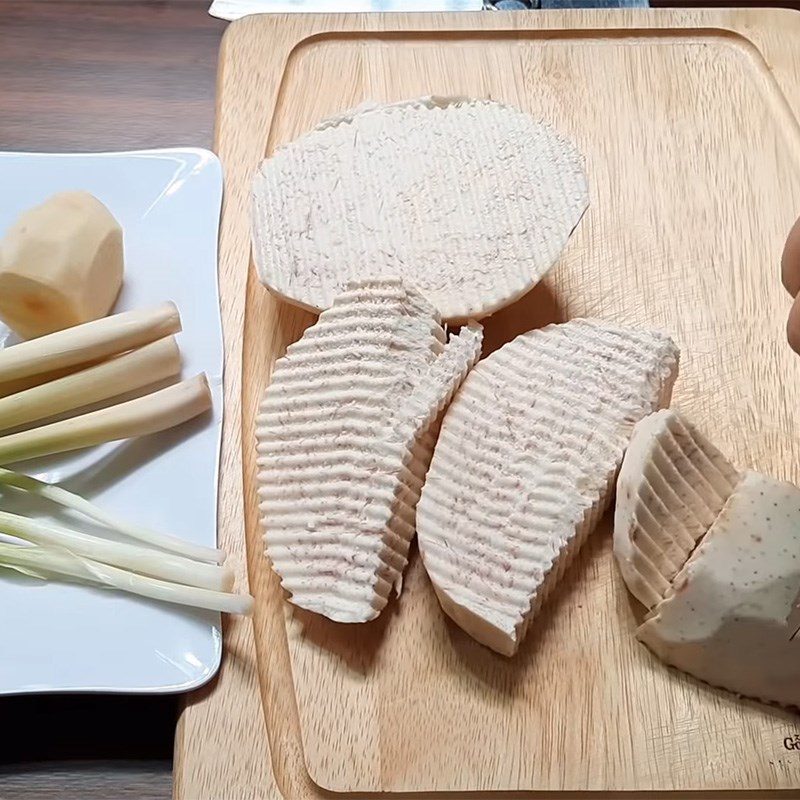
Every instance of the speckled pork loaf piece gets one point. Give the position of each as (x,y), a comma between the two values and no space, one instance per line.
(525,464)
(730,617)
(344,442)
(471,201)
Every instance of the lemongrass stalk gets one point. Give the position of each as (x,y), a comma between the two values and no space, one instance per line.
(49,562)
(74,502)
(91,341)
(21,384)
(154,412)
(165,566)
(141,367)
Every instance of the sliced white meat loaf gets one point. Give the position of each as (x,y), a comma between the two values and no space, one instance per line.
(471,201)
(343,445)
(672,485)
(730,616)
(525,464)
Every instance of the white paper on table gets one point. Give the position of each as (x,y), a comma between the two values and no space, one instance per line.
(234,9)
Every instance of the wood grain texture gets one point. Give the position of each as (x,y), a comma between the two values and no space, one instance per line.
(106,74)
(687,123)
(99,75)
(95,780)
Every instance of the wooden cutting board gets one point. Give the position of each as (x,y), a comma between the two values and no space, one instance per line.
(687,120)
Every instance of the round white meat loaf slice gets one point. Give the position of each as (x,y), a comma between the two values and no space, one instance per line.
(525,463)
(343,445)
(731,617)
(470,201)
(672,485)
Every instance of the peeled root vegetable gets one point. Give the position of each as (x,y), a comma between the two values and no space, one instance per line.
(61,264)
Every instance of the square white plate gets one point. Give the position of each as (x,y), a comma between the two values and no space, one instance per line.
(69,638)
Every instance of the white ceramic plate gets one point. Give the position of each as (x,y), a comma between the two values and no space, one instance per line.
(69,638)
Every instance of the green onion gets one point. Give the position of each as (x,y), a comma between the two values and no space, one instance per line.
(165,566)
(51,562)
(74,502)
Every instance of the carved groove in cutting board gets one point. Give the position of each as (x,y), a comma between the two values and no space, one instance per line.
(615,718)
(702,37)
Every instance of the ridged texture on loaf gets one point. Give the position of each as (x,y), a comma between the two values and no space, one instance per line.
(470,201)
(421,409)
(524,466)
(342,450)
(672,485)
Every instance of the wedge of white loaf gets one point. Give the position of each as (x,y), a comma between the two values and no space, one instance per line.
(344,440)
(471,201)
(525,464)
(672,485)
(729,616)
(715,555)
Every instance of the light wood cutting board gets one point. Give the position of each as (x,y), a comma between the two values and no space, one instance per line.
(687,120)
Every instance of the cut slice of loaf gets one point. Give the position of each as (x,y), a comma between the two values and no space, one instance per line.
(343,445)
(524,466)
(729,617)
(470,201)
(672,485)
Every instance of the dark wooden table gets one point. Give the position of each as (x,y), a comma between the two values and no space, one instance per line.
(99,75)
(105,75)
